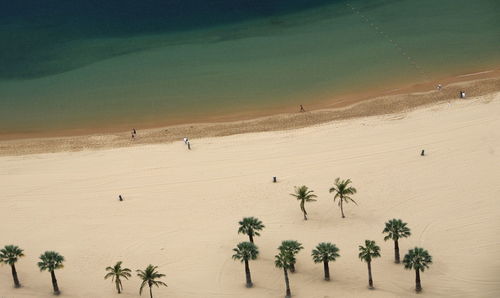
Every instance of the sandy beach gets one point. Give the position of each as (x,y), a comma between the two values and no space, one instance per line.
(182,207)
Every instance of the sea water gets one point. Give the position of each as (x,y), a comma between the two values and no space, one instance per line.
(77,65)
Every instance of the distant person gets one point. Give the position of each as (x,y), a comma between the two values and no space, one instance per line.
(133,131)
(185,141)
(189,145)
(422,153)
(120,198)
(463,94)
(439,87)
(133,136)
(302,108)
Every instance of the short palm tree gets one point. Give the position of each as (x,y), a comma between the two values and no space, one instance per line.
(367,253)
(323,253)
(149,277)
(51,261)
(244,252)
(116,273)
(291,247)
(343,192)
(417,259)
(304,194)
(395,230)
(9,255)
(283,260)
(251,227)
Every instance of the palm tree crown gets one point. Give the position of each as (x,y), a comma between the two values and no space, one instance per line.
(304,194)
(50,261)
(418,259)
(343,191)
(291,248)
(325,251)
(116,272)
(10,254)
(250,226)
(369,251)
(396,229)
(149,277)
(245,251)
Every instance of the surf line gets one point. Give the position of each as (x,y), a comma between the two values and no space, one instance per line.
(394,43)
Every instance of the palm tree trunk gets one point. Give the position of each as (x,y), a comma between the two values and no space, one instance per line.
(14,276)
(418,286)
(117,282)
(248,276)
(54,283)
(327,270)
(151,291)
(288,293)
(370,280)
(292,267)
(341,208)
(303,208)
(250,237)
(396,251)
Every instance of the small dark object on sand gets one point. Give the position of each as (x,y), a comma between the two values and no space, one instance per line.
(120,198)
(189,145)
(274,179)
(422,153)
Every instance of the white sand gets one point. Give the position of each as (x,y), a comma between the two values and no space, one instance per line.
(181,208)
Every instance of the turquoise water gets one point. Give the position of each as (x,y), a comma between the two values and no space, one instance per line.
(61,72)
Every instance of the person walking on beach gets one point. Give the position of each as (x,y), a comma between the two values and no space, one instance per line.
(133,131)
(120,198)
(302,108)
(185,140)
(189,145)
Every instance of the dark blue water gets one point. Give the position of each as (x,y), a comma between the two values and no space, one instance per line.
(32,30)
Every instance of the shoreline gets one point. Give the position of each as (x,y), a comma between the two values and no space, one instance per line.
(359,105)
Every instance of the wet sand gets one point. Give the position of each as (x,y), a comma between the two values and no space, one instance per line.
(350,106)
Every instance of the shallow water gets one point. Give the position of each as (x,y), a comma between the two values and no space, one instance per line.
(86,66)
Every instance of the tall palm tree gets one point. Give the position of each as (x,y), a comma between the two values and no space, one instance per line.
(304,194)
(116,272)
(250,226)
(282,260)
(323,253)
(50,261)
(395,230)
(367,253)
(291,247)
(149,277)
(9,255)
(244,252)
(343,191)
(417,259)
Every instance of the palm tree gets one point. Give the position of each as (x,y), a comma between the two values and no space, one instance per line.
(291,247)
(50,261)
(250,226)
(246,251)
(417,259)
(116,272)
(323,253)
(303,194)
(9,255)
(367,253)
(343,191)
(149,277)
(283,261)
(396,229)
